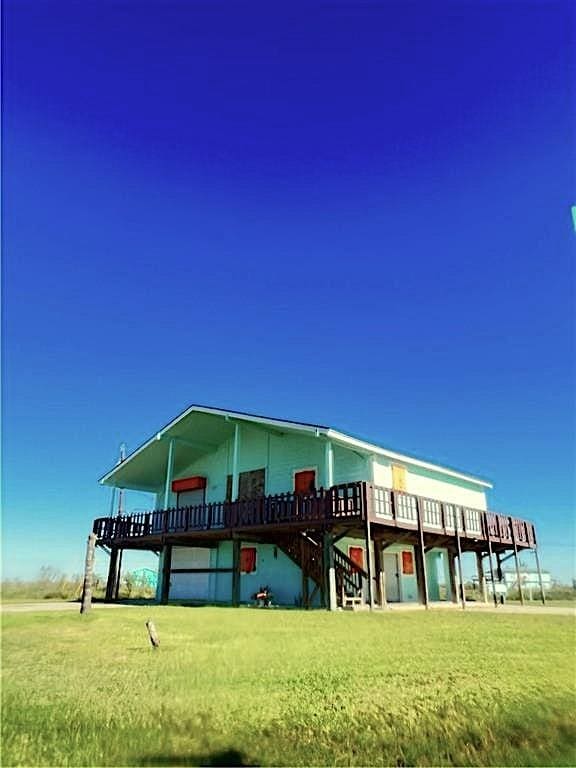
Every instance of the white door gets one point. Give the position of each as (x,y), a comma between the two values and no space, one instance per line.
(392,572)
(184,583)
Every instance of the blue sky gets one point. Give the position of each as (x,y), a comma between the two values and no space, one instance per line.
(356,214)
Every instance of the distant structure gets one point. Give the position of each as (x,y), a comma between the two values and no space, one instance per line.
(529,579)
(319,516)
(146,577)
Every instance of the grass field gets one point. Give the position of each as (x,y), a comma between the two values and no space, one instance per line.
(256,687)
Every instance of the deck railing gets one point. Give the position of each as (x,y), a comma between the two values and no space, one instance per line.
(348,501)
(401,509)
(339,502)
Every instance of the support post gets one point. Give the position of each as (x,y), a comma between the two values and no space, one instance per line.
(165,576)
(452,576)
(329,572)
(112,501)
(235,460)
(499,573)
(112,574)
(118,575)
(420,557)
(380,576)
(369,549)
(169,473)
(542,595)
(88,574)
(459,548)
(236,572)
(481,578)
(492,570)
(305,590)
(515,545)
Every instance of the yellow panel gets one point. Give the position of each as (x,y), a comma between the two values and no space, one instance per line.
(398,478)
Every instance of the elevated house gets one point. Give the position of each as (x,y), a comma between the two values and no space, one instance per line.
(320,517)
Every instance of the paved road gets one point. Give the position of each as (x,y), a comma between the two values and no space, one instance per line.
(62,605)
(53,605)
(559,610)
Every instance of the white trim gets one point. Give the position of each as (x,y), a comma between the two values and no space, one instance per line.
(331,434)
(344,439)
(169,473)
(329,464)
(235,461)
(282,425)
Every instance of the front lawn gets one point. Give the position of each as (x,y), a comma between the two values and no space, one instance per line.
(280,687)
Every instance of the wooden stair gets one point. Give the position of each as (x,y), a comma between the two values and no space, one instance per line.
(307,553)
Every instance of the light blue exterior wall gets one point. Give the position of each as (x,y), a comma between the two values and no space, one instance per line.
(349,466)
(277,571)
(273,569)
(408,583)
(433,562)
(281,455)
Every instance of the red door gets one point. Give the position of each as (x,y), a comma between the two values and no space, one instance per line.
(305,481)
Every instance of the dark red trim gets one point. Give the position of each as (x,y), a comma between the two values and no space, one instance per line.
(188,484)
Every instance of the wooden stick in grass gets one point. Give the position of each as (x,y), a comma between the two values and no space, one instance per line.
(154,639)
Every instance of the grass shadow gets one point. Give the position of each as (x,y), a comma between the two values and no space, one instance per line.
(226,757)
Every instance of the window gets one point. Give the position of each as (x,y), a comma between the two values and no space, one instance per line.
(356,554)
(398,478)
(251,485)
(247,559)
(407,563)
(305,481)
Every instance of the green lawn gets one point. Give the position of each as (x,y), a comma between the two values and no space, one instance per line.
(273,687)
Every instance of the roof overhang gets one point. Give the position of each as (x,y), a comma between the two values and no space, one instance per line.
(202,429)
(370,448)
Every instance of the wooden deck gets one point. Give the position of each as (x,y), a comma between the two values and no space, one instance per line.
(343,507)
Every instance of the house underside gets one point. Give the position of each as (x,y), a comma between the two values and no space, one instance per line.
(307,530)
